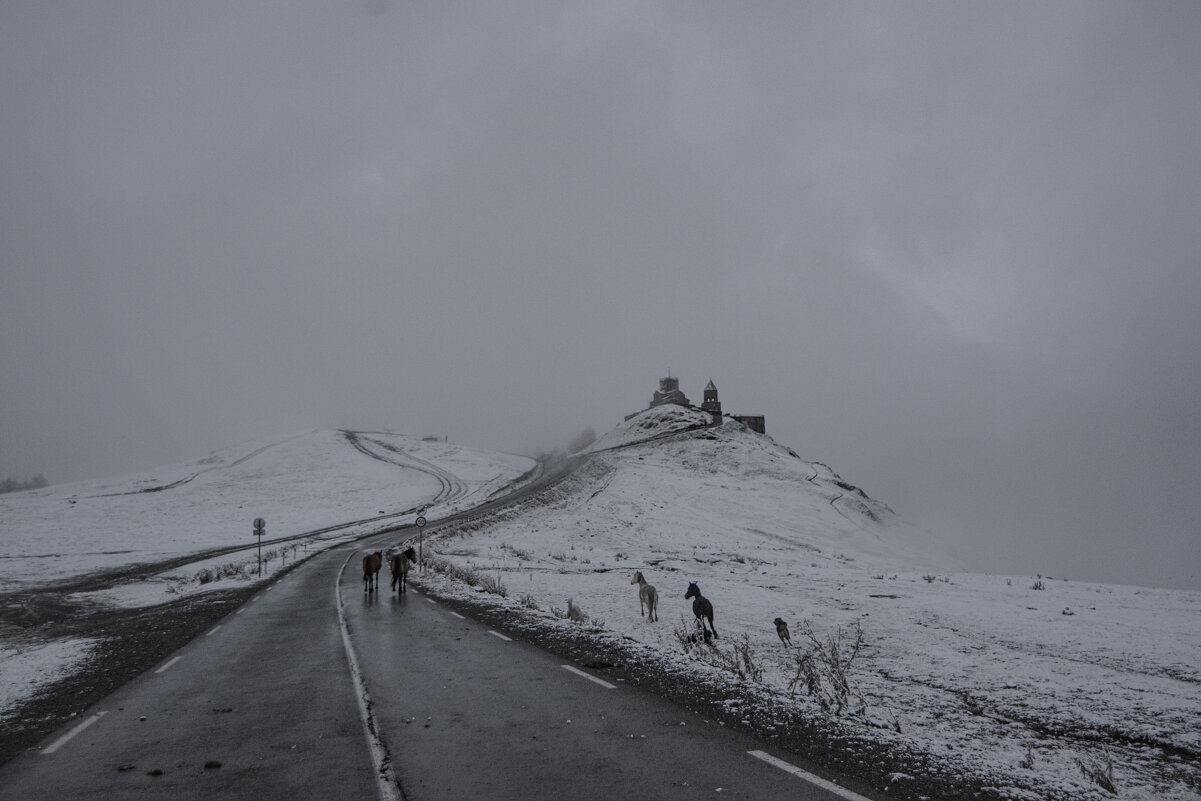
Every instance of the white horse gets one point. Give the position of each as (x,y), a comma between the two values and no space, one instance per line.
(648,598)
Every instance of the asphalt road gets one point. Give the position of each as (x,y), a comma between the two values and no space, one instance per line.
(314,689)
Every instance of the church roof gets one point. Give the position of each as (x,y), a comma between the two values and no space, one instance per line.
(711,385)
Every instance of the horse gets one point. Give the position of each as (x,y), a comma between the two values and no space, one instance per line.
(399,566)
(701,608)
(372,562)
(782,631)
(647,597)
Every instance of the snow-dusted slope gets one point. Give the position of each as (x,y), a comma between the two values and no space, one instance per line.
(304,483)
(725,487)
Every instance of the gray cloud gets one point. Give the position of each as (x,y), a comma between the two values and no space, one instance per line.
(949,250)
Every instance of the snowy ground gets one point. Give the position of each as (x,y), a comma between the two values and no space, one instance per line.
(1021,680)
(986,674)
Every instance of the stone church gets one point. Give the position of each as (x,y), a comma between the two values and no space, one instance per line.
(669,392)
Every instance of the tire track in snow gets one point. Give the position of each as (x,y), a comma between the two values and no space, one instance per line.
(451,487)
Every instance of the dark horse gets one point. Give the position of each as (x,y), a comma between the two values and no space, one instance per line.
(399,566)
(702,609)
(372,562)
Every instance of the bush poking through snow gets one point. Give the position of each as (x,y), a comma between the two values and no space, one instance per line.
(823,669)
(494,585)
(451,570)
(739,659)
(1099,772)
(227,570)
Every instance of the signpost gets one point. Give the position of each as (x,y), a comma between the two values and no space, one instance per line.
(420,521)
(260,528)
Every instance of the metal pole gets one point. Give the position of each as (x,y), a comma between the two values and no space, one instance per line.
(420,543)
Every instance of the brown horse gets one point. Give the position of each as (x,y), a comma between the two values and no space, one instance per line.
(702,608)
(399,566)
(372,562)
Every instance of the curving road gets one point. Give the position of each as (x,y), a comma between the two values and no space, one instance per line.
(314,689)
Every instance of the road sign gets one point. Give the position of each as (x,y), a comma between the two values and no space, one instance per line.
(420,521)
(260,528)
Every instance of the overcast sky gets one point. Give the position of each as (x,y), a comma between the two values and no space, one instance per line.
(953,250)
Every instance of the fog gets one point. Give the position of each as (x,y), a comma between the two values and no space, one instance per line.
(950,250)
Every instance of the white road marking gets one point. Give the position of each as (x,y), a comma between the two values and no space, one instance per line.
(829,786)
(590,677)
(214,631)
(61,741)
(460,617)
(387,787)
(431,600)
(174,659)
(498,634)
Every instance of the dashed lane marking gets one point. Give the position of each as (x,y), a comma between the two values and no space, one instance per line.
(431,600)
(172,661)
(213,631)
(61,741)
(829,786)
(460,617)
(501,636)
(590,677)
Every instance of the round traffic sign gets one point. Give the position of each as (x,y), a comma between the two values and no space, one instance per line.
(420,521)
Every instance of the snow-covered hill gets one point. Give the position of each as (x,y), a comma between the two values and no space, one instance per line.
(725,487)
(1027,682)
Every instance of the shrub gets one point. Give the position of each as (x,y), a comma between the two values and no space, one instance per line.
(739,659)
(823,669)
(1099,772)
(494,585)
